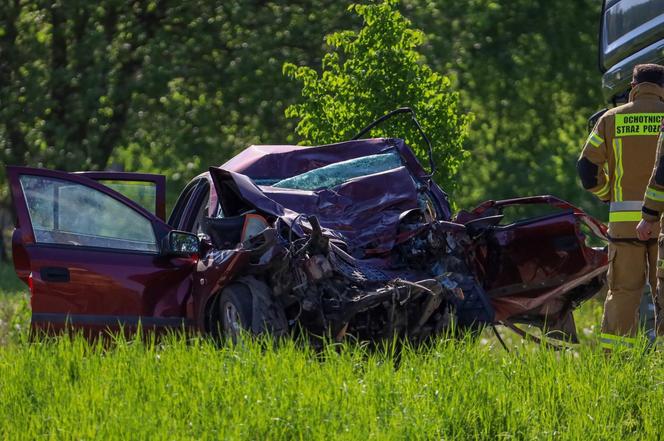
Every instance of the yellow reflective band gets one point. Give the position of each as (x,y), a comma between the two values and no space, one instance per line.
(604,191)
(660,263)
(594,139)
(655,195)
(610,340)
(638,124)
(625,216)
(617,188)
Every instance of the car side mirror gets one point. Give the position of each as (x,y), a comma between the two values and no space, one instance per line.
(181,244)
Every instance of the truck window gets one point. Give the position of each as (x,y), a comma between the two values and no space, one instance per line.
(632,32)
(626,16)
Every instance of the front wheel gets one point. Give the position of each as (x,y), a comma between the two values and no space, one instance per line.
(235,311)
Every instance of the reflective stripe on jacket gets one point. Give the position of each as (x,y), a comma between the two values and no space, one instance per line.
(618,157)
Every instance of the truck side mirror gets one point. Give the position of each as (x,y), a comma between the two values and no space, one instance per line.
(594,118)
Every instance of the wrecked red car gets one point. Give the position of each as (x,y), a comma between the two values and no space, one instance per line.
(349,239)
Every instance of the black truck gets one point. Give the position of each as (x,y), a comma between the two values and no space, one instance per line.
(631,32)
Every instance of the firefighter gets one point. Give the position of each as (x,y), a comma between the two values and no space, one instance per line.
(651,212)
(615,166)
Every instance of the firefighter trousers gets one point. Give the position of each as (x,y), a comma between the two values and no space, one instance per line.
(631,265)
(659,266)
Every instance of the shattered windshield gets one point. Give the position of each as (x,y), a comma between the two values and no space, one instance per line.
(340,172)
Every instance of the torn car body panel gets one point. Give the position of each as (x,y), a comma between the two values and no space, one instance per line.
(363,212)
(268,164)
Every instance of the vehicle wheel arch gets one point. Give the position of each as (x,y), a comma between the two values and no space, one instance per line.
(266,312)
(211,314)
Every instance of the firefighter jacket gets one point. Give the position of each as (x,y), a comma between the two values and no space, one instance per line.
(619,155)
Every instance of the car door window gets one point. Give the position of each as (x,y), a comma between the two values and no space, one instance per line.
(67,213)
(192,207)
(198,223)
(144,193)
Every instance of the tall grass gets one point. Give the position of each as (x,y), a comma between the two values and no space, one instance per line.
(193,389)
(190,388)
(14,306)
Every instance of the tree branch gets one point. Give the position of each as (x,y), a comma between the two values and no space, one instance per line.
(149,23)
(59,85)
(9,60)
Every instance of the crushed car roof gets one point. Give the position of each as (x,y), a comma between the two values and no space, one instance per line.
(357,189)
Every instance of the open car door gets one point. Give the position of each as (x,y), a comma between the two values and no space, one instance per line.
(538,269)
(93,258)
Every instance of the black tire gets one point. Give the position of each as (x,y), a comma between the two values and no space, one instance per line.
(235,311)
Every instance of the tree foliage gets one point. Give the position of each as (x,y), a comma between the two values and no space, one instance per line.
(160,86)
(69,71)
(528,71)
(222,87)
(373,70)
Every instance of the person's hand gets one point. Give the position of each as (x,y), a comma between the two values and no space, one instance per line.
(644,229)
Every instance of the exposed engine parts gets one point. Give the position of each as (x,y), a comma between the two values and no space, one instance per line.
(327,291)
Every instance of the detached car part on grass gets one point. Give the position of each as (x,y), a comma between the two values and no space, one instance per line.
(345,240)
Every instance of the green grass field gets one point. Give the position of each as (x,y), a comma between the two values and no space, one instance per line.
(14,307)
(189,388)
